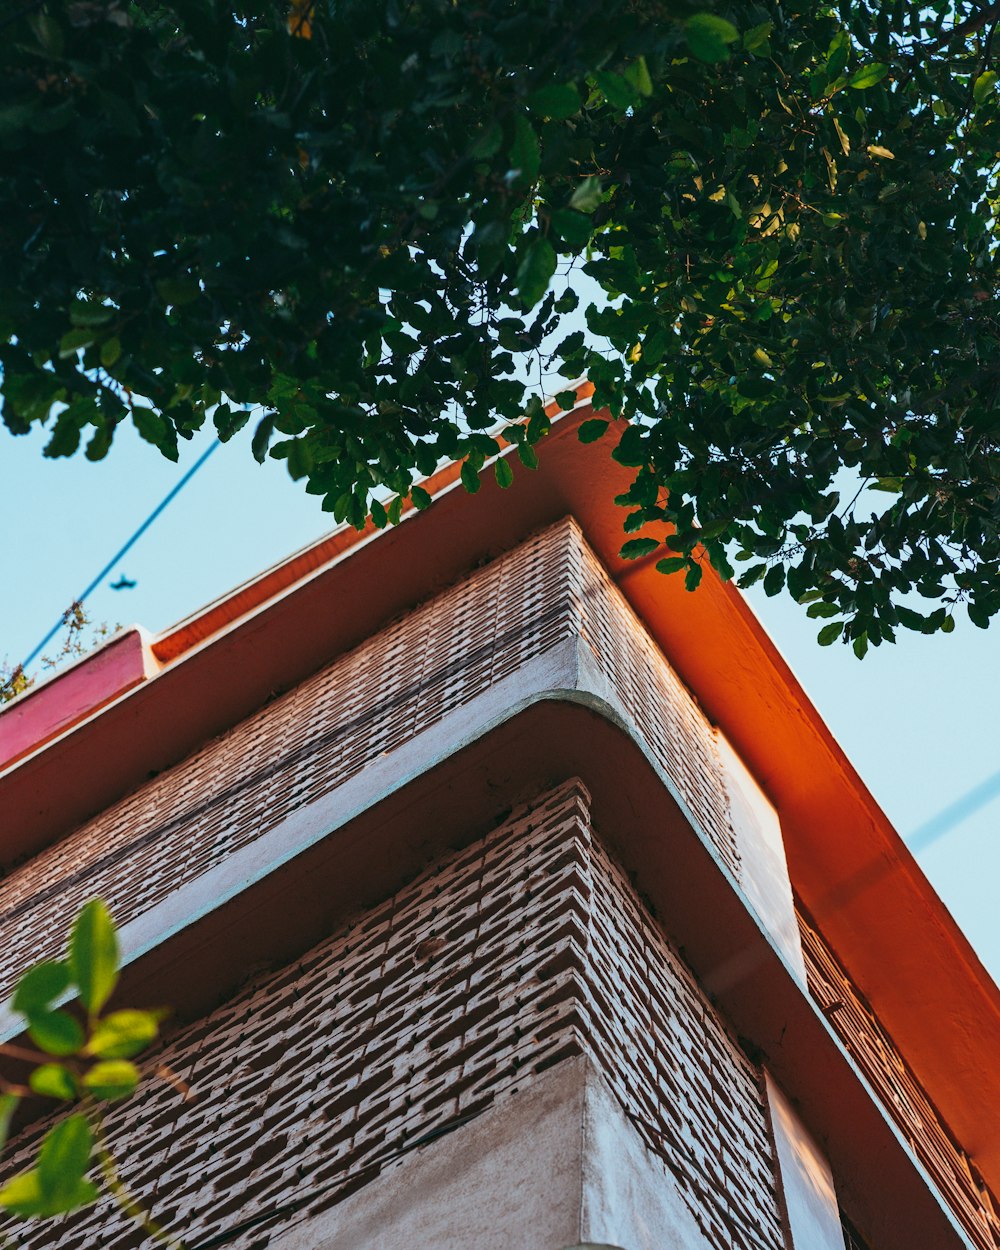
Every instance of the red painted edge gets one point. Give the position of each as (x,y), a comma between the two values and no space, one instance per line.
(70,696)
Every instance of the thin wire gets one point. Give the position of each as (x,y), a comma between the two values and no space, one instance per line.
(136,535)
(961,809)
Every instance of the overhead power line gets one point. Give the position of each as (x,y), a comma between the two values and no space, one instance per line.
(123,550)
(961,809)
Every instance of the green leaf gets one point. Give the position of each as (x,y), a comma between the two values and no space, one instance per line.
(567,400)
(712,529)
(48,33)
(559,100)
(421,499)
(178,291)
(525,152)
(25,1195)
(635,521)
(618,91)
(53,1080)
(753,574)
(590,431)
(229,422)
(100,442)
(111,1080)
(693,576)
(535,271)
(262,438)
(504,473)
(88,315)
(638,75)
(868,76)
(860,646)
(94,955)
(757,38)
(490,242)
(8,1105)
(587,195)
(631,449)
(709,36)
(636,548)
(774,580)
(527,455)
(22,1195)
(111,351)
(40,985)
(672,564)
(983,86)
(55,1032)
(155,429)
(758,387)
(64,1158)
(572,227)
(487,142)
(73,340)
(470,478)
(830,633)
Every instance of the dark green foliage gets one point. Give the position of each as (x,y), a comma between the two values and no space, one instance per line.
(371,235)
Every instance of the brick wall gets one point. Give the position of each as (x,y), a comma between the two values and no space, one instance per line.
(362,705)
(899,1091)
(525,948)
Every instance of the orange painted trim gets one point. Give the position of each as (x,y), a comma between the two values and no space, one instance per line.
(244,599)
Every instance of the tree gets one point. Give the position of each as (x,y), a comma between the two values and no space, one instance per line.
(767,233)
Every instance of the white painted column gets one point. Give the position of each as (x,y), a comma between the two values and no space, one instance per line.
(764,869)
(805,1179)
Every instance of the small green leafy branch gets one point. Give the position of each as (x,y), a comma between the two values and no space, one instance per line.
(81,1058)
(81,636)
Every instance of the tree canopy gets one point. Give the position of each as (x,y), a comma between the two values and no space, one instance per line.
(766,232)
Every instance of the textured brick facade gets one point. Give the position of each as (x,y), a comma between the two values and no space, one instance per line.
(364,705)
(899,1091)
(521,950)
(525,949)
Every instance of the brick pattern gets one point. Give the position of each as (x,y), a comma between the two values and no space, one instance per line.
(899,1091)
(523,949)
(361,706)
(679,1075)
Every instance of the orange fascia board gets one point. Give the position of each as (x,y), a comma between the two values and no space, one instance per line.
(848,866)
(246,598)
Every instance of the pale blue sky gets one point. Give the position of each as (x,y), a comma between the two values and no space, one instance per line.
(917,719)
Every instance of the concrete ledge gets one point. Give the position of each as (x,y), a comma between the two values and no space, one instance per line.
(552,1166)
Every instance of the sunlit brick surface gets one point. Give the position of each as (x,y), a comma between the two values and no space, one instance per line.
(364,704)
(526,948)
(899,1091)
